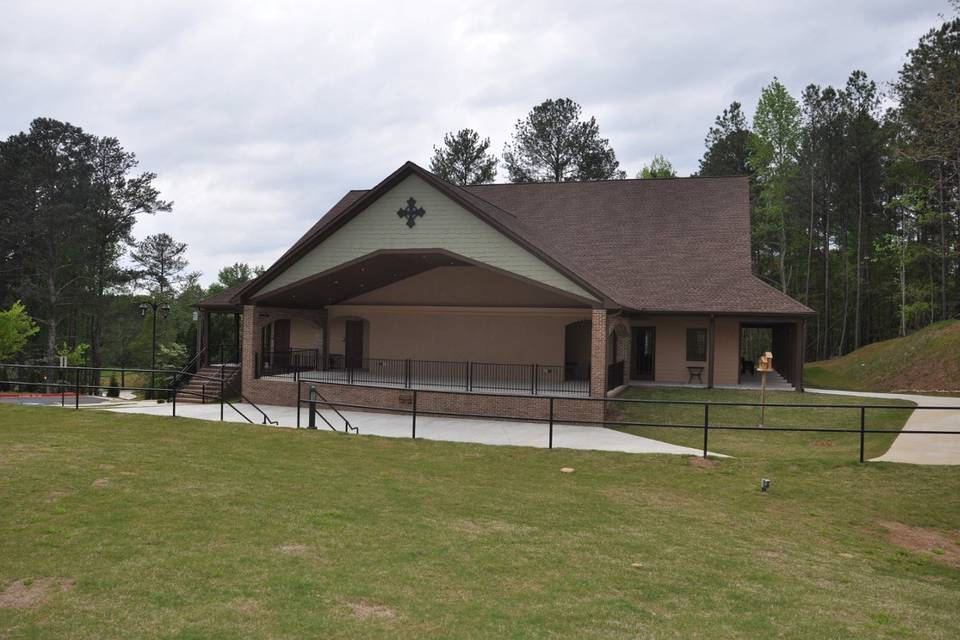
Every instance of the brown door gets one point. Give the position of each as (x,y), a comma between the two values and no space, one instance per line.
(353,344)
(281,343)
(644,353)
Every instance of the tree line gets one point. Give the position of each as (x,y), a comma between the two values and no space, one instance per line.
(72,277)
(855,211)
(855,190)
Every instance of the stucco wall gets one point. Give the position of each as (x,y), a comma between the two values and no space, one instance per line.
(469,334)
(671,348)
(446,225)
(461,286)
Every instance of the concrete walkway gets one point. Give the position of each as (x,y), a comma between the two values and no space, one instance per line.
(493,432)
(923,448)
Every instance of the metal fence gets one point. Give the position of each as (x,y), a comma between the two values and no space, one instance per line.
(72,382)
(311,402)
(533,379)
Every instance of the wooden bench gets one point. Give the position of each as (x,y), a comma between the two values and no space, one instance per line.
(695,372)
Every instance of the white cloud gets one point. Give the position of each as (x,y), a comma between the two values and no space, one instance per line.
(258,116)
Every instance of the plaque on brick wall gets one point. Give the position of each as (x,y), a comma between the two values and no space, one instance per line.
(406,398)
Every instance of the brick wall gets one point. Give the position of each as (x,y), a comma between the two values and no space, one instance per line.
(598,353)
(284,393)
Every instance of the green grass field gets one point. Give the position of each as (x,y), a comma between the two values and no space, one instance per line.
(926,360)
(813,446)
(132,526)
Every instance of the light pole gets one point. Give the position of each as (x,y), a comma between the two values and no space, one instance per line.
(164,311)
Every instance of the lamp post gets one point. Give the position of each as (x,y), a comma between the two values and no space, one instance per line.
(164,311)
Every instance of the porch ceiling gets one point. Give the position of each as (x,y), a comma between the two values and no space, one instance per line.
(354,278)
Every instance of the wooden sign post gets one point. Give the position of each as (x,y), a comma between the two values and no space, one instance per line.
(765,366)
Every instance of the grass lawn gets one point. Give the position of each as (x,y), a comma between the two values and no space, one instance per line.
(926,360)
(135,526)
(828,448)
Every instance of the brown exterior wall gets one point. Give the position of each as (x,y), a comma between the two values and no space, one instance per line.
(512,336)
(671,347)
(463,286)
(284,393)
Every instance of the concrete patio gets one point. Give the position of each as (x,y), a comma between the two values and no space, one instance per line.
(490,432)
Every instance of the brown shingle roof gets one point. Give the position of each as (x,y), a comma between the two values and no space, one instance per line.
(678,245)
(674,245)
(223,301)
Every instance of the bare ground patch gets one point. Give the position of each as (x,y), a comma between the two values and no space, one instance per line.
(101,482)
(365,610)
(936,544)
(33,592)
(292,549)
(702,463)
(18,452)
(466,525)
(823,444)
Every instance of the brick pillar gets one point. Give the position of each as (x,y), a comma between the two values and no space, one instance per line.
(250,347)
(598,354)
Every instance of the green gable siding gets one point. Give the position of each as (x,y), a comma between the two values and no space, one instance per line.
(446,225)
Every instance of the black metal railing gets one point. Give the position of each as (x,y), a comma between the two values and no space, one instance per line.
(553,412)
(408,373)
(615,374)
(69,383)
(72,383)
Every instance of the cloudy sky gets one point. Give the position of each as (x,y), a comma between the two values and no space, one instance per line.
(257,116)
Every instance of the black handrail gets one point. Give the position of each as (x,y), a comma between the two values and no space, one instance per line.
(312,404)
(187,366)
(266,418)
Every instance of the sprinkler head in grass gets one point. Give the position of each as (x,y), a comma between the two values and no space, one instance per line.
(764,485)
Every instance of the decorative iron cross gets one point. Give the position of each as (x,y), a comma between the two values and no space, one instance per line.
(411,212)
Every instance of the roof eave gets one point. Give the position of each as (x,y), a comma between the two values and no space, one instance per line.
(451,191)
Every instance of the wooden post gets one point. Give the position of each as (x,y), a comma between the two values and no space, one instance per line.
(711,344)
(765,366)
(763,395)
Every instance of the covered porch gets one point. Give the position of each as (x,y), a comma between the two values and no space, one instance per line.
(427,320)
(713,350)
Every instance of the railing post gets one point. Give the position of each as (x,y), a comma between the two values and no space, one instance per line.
(203,393)
(469,376)
(863,420)
(312,408)
(123,377)
(550,445)
(414,414)
(533,379)
(406,373)
(76,399)
(221,387)
(299,401)
(174,392)
(706,426)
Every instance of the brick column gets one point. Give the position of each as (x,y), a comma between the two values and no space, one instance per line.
(598,354)
(250,347)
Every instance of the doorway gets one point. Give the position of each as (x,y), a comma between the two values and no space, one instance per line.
(643,353)
(353,344)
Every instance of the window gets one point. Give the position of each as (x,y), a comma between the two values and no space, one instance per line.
(696,345)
